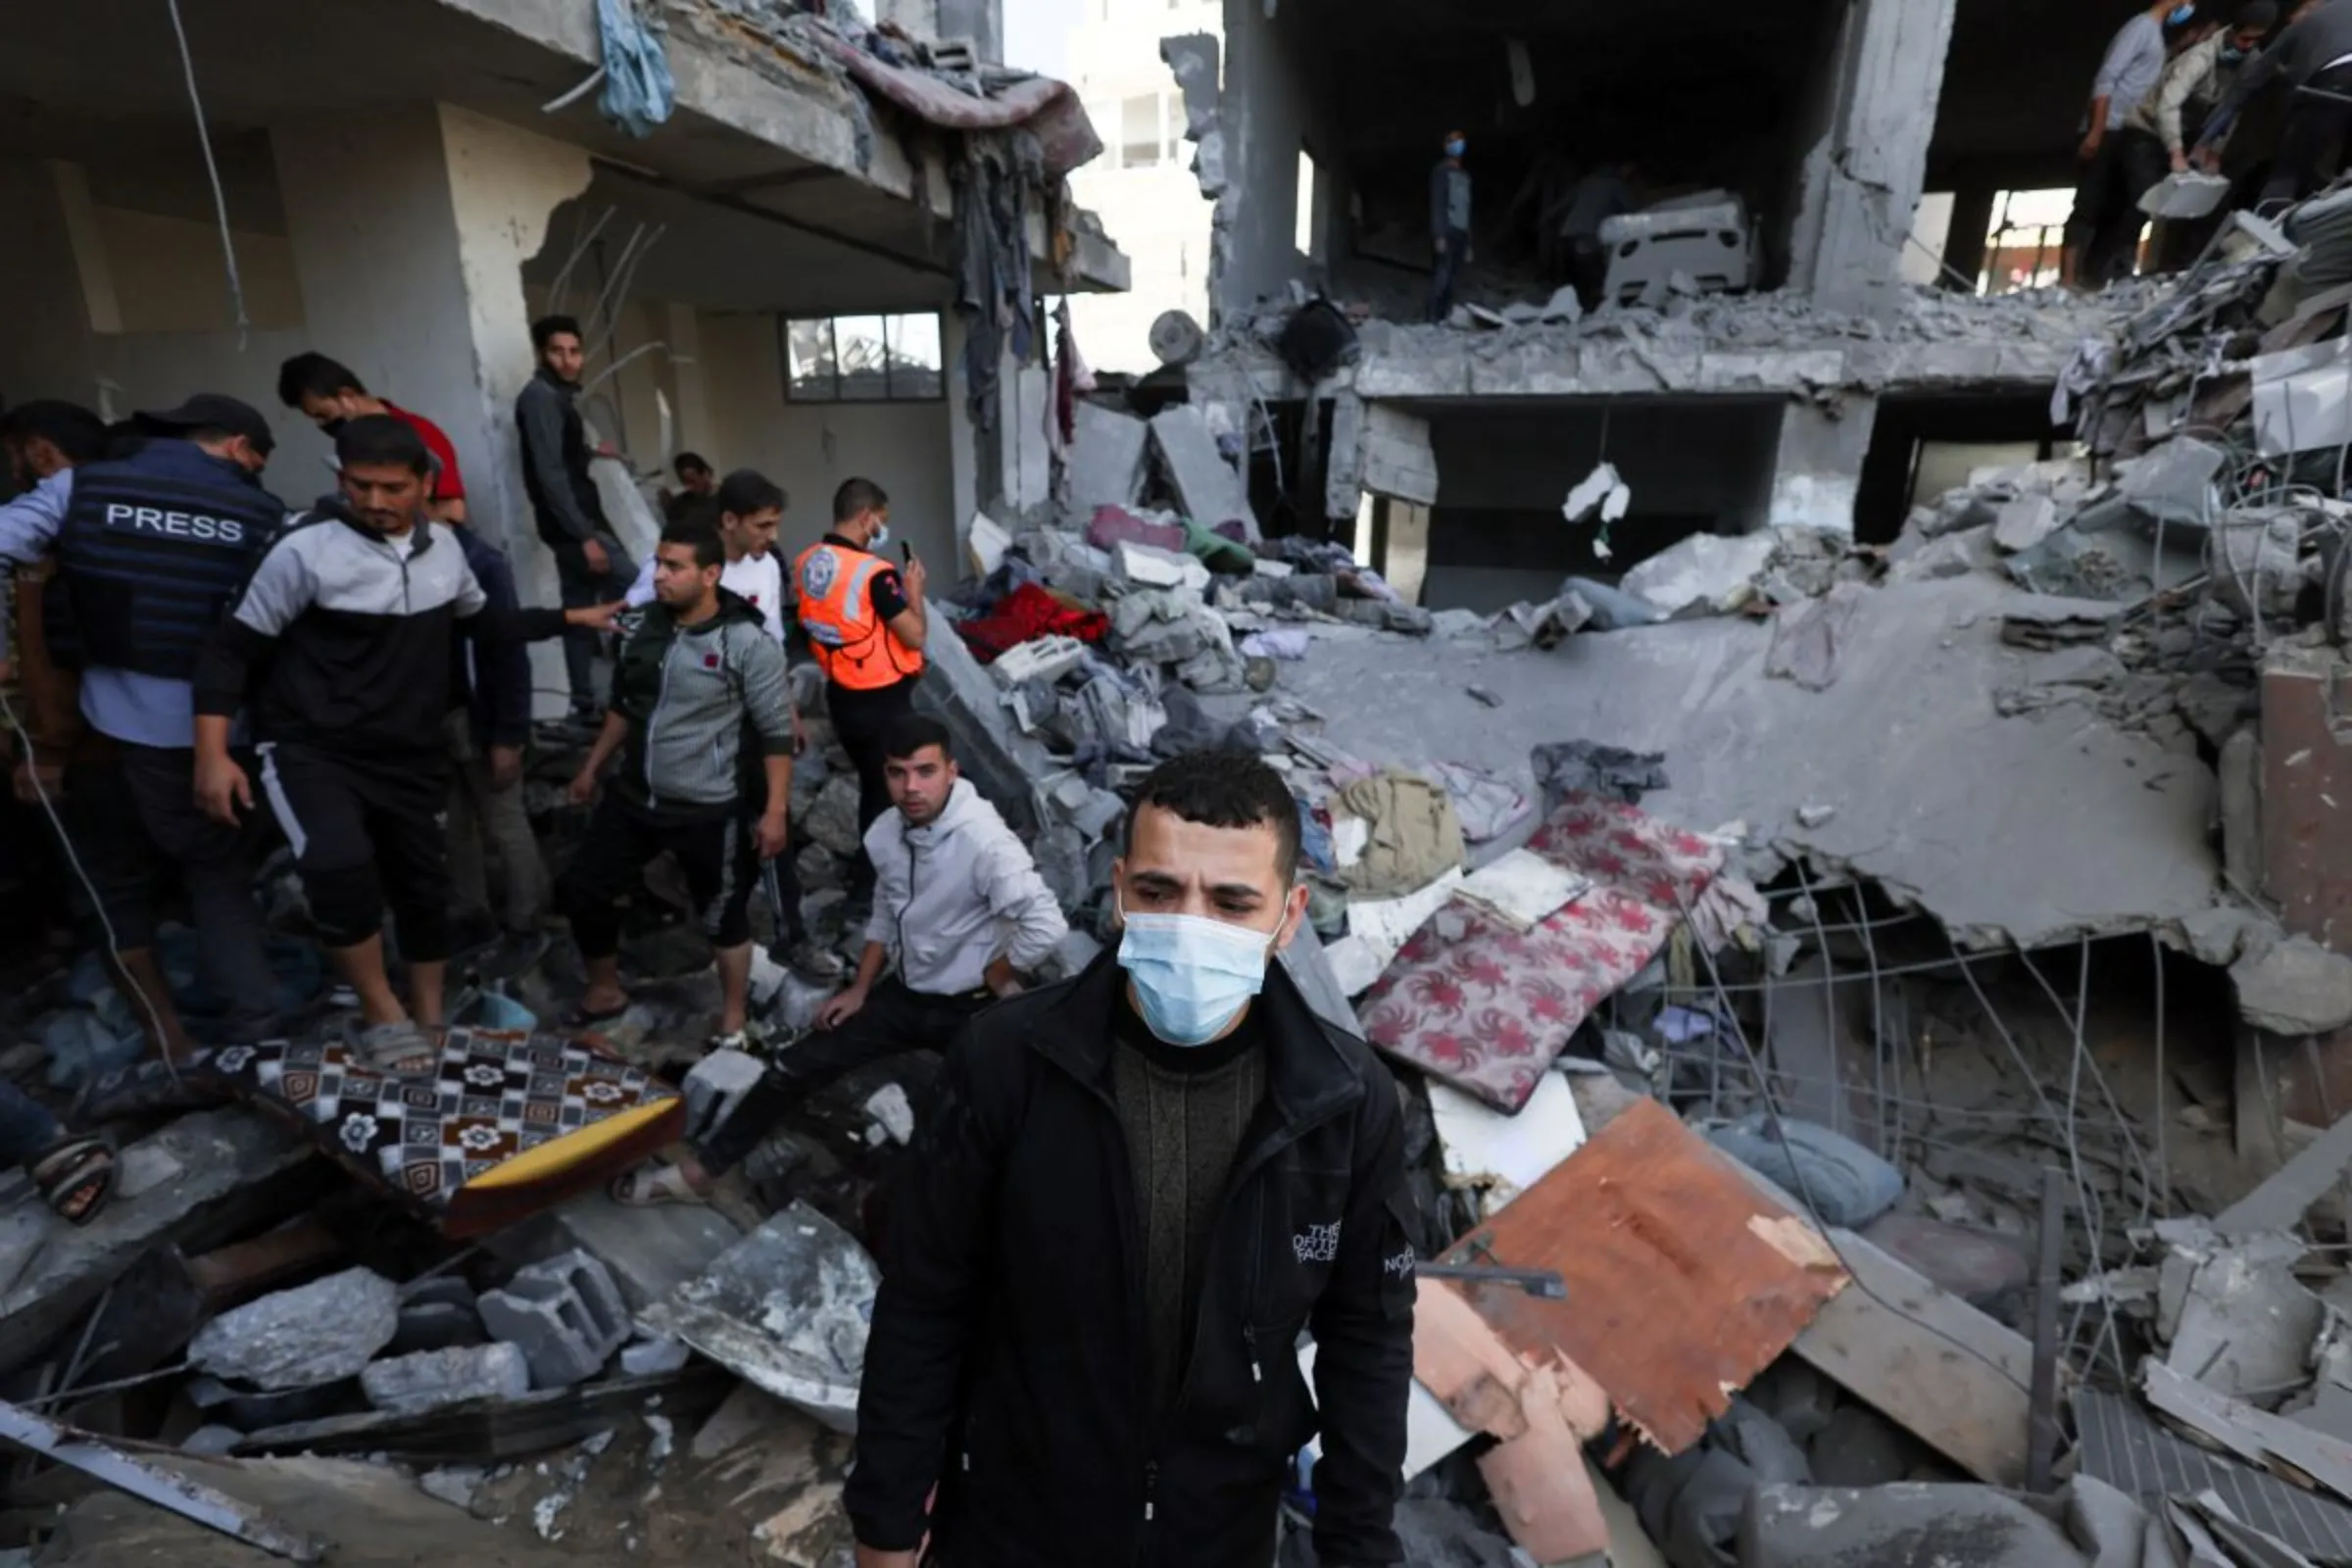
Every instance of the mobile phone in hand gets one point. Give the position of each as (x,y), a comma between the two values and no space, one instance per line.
(905,554)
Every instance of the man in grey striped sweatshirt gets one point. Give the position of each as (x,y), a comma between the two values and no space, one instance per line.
(701,713)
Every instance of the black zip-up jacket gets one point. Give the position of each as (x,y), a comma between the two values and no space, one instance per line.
(341,637)
(1007,1362)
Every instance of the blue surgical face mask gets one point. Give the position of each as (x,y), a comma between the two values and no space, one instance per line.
(1193,976)
(2233,52)
(881,537)
(1454,149)
(2181,16)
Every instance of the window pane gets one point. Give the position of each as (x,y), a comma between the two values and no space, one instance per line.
(1139,133)
(864,358)
(812,362)
(915,357)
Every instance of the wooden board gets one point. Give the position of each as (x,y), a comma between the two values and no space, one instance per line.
(1684,1281)
(1928,1361)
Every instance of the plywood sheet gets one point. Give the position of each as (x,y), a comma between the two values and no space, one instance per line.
(1684,1282)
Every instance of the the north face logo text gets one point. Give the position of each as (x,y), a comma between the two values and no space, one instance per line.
(1317,1243)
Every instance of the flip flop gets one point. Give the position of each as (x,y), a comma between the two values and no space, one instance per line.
(76,1178)
(654,1187)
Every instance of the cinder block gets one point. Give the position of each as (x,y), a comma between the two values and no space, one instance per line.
(565,1315)
(715,1084)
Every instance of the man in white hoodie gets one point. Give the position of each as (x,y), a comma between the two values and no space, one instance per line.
(959,908)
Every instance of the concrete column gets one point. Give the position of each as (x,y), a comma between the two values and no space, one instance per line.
(1964,242)
(1862,180)
(410,230)
(1817,464)
(964,438)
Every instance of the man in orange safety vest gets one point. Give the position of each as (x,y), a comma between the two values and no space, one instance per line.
(866,623)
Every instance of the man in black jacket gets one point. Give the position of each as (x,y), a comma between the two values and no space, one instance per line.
(591,566)
(1133,1191)
(339,648)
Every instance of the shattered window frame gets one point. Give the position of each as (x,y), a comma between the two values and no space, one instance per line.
(910,366)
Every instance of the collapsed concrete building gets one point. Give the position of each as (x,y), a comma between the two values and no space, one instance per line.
(1808,377)
(773,276)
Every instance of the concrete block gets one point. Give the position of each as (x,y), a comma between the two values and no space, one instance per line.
(715,1084)
(2024,523)
(833,820)
(1042,659)
(1105,461)
(566,1313)
(431,1379)
(1207,485)
(1398,458)
(989,746)
(1786,1526)
(320,1333)
(2294,987)
(1702,570)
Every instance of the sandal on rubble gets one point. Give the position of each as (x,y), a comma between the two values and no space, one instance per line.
(76,1178)
(654,1187)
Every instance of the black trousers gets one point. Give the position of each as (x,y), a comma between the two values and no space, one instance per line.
(135,824)
(2315,127)
(366,831)
(894,1020)
(861,719)
(718,854)
(2106,222)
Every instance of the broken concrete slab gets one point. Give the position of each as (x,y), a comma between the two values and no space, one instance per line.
(320,1333)
(2294,987)
(408,1385)
(2012,831)
(2245,1326)
(2026,522)
(787,1311)
(1207,485)
(1704,570)
(959,692)
(1105,458)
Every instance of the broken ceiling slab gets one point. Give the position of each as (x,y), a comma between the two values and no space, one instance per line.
(787,1311)
(2278,1204)
(1684,1280)
(1205,484)
(2029,830)
(2246,1326)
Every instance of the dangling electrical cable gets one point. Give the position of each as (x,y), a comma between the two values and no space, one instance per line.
(203,139)
(113,944)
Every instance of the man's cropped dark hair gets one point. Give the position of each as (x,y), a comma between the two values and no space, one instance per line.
(314,374)
(547,326)
(686,462)
(855,496)
(746,491)
(910,733)
(700,537)
(379,438)
(72,429)
(1222,788)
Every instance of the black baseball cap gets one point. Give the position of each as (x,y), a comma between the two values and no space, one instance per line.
(213,410)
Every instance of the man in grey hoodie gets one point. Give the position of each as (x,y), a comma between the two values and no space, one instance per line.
(702,704)
(961,909)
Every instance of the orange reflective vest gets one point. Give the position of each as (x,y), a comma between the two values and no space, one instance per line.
(854,649)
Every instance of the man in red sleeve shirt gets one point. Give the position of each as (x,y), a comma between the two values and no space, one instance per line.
(328,394)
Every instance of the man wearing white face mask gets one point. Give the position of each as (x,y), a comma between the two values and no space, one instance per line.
(1131,1194)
